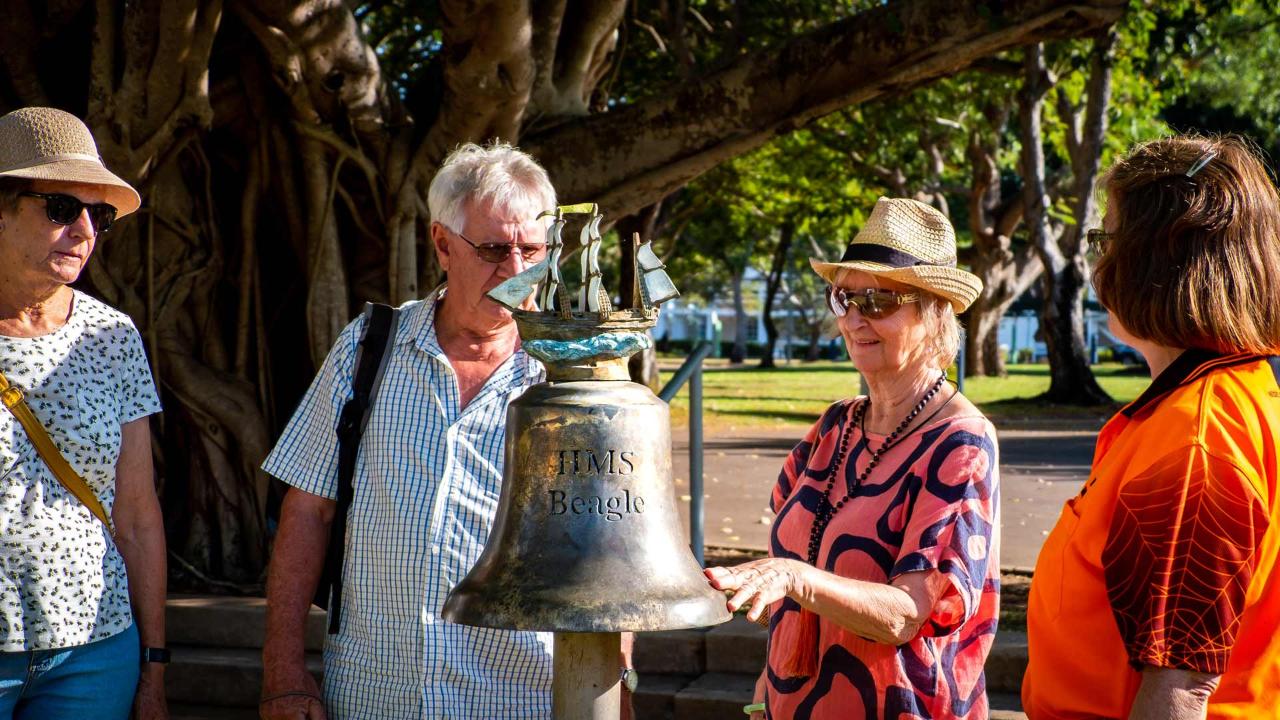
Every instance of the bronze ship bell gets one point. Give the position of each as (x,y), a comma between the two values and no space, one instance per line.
(586,542)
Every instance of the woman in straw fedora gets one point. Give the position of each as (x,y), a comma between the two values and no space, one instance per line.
(82,552)
(882,585)
(1158,590)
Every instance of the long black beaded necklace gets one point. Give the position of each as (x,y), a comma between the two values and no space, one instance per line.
(826,510)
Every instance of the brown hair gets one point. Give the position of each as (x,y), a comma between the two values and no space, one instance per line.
(1193,262)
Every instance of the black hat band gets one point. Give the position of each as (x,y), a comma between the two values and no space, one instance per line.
(883,255)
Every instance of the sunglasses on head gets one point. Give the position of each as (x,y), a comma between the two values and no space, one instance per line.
(497,252)
(65,209)
(873,304)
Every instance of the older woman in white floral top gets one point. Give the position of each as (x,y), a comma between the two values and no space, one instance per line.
(79,608)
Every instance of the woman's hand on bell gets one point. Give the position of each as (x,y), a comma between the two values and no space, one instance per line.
(758,584)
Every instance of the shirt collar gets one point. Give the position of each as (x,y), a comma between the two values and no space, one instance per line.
(420,329)
(1188,367)
(534,372)
(419,323)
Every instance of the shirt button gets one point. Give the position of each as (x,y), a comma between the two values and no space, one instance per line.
(435,549)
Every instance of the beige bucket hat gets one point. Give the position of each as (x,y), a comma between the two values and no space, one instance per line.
(912,243)
(40,143)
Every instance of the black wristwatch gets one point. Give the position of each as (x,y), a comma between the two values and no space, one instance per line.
(155,655)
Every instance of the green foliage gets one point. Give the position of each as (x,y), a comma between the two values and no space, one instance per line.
(1230,67)
(825,177)
(736,210)
(406,36)
(1136,97)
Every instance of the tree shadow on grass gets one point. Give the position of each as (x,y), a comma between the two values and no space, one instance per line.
(1043,370)
(783,443)
(1038,407)
(785,369)
(710,396)
(786,416)
(1139,370)
(1027,370)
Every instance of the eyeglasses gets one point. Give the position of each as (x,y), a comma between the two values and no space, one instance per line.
(497,252)
(65,209)
(873,304)
(1099,241)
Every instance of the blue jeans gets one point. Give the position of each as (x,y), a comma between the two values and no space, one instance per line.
(96,681)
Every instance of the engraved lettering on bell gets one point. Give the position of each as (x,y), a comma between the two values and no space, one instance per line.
(611,508)
(597,462)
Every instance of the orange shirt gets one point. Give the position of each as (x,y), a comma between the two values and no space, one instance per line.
(1167,557)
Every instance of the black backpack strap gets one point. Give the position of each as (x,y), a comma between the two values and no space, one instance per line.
(1274,360)
(371,362)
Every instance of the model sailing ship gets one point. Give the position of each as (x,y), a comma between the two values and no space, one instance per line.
(556,318)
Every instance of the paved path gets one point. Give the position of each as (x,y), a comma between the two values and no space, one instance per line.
(1041,463)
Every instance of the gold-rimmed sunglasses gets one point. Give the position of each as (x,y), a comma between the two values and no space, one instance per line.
(872,303)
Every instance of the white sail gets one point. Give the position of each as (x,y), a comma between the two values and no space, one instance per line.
(512,293)
(655,285)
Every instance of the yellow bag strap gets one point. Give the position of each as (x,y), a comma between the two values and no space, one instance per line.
(70,479)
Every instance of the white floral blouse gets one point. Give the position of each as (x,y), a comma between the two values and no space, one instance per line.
(62,580)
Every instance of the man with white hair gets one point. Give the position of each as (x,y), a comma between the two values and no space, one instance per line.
(426,481)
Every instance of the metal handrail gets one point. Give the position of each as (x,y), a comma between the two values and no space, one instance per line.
(691,371)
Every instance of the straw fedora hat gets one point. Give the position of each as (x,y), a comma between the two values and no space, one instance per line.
(39,143)
(912,243)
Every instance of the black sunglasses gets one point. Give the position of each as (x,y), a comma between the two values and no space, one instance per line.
(873,304)
(65,209)
(497,252)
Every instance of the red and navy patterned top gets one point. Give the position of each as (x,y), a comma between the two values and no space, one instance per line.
(931,504)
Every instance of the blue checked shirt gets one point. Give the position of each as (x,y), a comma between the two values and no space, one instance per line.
(426,489)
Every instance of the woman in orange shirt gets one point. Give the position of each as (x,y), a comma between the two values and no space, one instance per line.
(1157,593)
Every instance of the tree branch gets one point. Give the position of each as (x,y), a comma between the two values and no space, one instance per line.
(1069,113)
(628,159)
(590,34)
(18,56)
(1036,82)
(679,44)
(653,33)
(286,61)
(346,153)
(321,58)
(1089,151)
(488,77)
(102,67)
(1009,216)
(998,66)
(548,18)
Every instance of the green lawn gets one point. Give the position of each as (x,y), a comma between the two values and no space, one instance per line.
(794,395)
